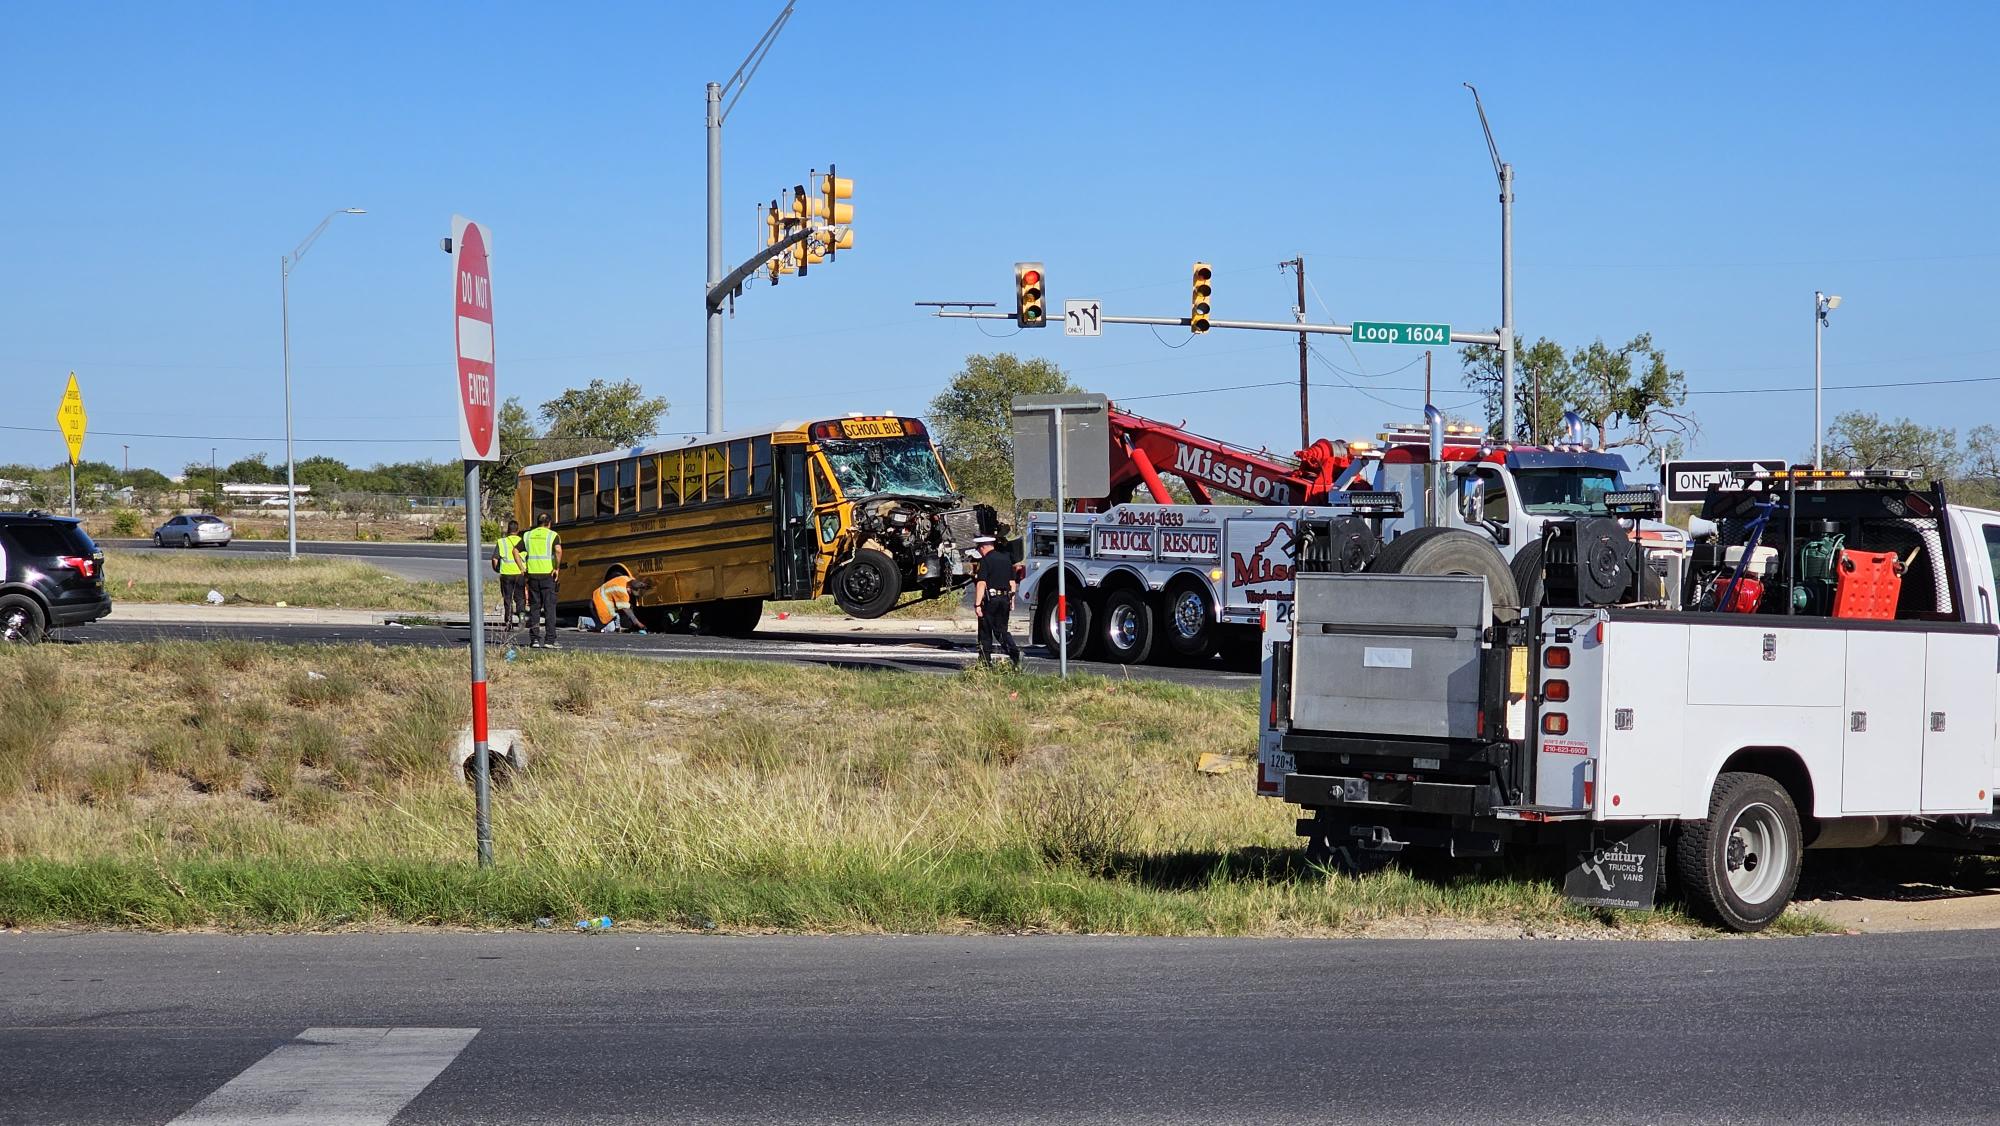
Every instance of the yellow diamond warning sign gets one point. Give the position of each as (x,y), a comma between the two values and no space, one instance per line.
(71,418)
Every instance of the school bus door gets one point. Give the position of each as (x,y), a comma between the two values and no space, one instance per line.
(797,548)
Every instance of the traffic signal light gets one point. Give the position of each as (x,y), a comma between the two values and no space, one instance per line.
(833,189)
(1198,305)
(1030,310)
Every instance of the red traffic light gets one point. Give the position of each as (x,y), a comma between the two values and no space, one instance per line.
(1032,277)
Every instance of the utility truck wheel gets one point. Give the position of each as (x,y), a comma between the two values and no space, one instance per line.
(869,585)
(1529,581)
(1188,621)
(1080,620)
(1452,551)
(1740,866)
(1125,629)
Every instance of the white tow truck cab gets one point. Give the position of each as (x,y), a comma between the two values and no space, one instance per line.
(1840,691)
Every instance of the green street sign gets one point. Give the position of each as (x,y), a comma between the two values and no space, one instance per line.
(1398,332)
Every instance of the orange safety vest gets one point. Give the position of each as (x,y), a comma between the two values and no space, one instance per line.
(612,597)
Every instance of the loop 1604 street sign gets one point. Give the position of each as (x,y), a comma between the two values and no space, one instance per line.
(1400,332)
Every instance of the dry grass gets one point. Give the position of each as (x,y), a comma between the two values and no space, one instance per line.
(264,580)
(684,794)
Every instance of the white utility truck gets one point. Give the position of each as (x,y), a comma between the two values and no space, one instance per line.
(1824,675)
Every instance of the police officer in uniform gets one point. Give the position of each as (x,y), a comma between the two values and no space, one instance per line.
(993,600)
(544,559)
(511,560)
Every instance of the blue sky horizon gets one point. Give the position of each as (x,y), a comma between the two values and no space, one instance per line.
(1695,176)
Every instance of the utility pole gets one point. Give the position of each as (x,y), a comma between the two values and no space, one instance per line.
(717,113)
(1298,266)
(1504,172)
(1427,377)
(1822,304)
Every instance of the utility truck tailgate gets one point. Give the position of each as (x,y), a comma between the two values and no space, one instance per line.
(1390,655)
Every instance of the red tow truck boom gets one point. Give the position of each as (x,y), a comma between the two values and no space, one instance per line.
(1144,451)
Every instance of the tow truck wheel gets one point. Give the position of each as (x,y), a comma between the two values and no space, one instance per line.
(1188,620)
(1529,580)
(869,585)
(1080,619)
(1740,865)
(1125,630)
(1452,551)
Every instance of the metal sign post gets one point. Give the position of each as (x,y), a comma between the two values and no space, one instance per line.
(1045,428)
(71,417)
(478,440)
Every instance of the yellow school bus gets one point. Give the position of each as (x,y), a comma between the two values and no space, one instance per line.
(859,507)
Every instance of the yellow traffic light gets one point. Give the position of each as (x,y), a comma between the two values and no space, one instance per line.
(1198,305)
(833,189)
(1030,308)
(843,239)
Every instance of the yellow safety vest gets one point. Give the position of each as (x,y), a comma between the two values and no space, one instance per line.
(541,544)
(512,562)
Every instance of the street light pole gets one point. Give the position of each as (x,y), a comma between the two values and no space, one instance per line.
(716,114)
(286,263)
(1504,172)
(1822,304)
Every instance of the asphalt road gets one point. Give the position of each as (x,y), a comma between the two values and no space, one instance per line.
(541,1027)
(909,651)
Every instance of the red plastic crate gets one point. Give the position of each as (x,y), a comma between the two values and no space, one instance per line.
(1866,584)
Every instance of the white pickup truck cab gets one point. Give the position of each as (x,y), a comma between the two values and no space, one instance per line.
(1843,709)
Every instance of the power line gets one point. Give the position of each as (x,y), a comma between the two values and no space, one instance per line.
(1848,386)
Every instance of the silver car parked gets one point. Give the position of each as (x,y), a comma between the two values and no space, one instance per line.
(200,530)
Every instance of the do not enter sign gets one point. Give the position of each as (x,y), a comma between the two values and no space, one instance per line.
(472,284)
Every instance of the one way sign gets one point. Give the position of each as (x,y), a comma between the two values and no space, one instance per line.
(1688,481)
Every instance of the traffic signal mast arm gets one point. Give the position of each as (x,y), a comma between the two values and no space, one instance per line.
(1490,338)
(736,277)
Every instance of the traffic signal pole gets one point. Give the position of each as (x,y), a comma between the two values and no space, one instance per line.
(716,114)
(1300,327)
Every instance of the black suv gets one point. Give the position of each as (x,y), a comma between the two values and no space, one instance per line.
(51,575)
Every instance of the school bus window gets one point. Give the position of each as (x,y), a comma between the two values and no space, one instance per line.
(739,469)
(649,484)
(718,473)
(823,490)
(566,496)
(670,480)
(542,497)
(628,485)
(760,467)
(586,493)
(607,490)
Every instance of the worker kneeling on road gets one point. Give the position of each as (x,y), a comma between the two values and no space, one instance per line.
(993,600)
(612,603)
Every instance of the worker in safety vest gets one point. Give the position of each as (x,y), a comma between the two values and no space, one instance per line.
(613,603)
(510,558)
(543,551)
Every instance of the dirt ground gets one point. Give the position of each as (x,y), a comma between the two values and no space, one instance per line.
(1883,890)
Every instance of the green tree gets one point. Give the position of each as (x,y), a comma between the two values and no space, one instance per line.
(1862,440)
(1538,370)
(598,417)
(972,419)
(519,447)
(1630,394)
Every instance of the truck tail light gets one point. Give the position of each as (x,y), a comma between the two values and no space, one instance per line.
(82,564)
(1555,657)
(1555,723)
(1555,691)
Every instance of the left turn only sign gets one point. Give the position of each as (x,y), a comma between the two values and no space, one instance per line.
(70,416)
(472,286)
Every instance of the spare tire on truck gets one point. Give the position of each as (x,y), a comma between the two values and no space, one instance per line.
(1453,551)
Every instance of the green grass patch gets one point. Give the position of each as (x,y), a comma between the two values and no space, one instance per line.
(318,582)
(173,784)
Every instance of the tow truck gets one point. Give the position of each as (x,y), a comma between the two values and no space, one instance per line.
(1160,581)
(1822,675)
(1184,595)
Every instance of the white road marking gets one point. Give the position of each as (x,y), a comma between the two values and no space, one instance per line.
(334,1077)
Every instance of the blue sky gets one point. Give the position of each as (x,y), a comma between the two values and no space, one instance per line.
(1696,175)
